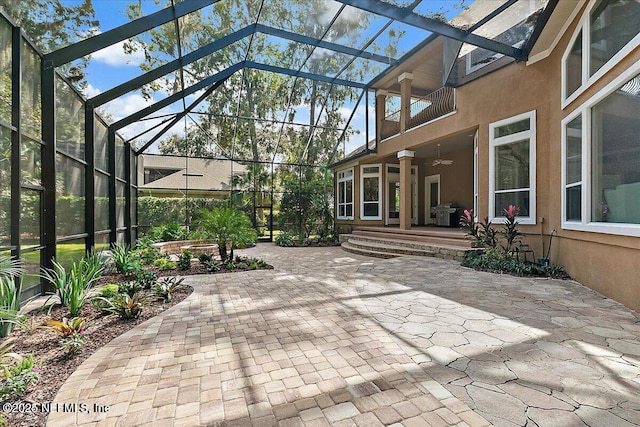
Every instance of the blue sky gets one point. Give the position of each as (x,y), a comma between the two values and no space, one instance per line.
(112,66)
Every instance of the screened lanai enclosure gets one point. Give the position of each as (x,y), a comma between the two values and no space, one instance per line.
(200,101)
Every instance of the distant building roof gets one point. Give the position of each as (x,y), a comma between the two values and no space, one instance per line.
(156,172)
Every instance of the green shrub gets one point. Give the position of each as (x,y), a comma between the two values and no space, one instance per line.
(72,288)
(204,258)
(284,239)
(10,273)
(17,376)
(184,261)
(169,232)
(498,261)
(167,286)
(129,288)
(147,255)
(107,291)
(212,265)
(125,259)
(164,264)
(147,279)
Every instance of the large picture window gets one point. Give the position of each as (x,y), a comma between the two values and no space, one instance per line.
(609,30)
(512,147)
(371,192)
(345,194)
(601,152)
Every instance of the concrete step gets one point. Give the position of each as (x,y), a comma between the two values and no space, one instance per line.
(390,248)
(381,248)
(396,240)
(448,239)
(448,232)
(346,246)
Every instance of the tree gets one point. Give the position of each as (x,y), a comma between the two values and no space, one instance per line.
(52,25)
(229,228)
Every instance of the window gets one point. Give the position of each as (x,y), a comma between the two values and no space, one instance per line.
(601,154)
(609,31)
(345,194)
(370,192)
(512,165)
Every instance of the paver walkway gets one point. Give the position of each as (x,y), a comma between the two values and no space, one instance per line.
(330,338)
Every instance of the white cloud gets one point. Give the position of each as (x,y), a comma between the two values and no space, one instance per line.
(115,55)
(90,91)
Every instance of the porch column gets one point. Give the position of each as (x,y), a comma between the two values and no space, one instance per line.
(405,100)
(381,101)
(405,157)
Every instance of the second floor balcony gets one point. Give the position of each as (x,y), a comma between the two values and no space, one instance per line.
(422,110)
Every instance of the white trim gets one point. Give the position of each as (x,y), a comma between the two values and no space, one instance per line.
(563,167)
(476,153)
(338,202)
(621,229)
(406,153)
(427,196)
(371,175)
(382,92)
(587,80)
(414,182)
(403,76)
(545,53)
(529,135)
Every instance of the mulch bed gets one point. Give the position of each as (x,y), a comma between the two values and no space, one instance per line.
(56,365)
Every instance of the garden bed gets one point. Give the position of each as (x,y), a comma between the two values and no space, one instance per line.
(56,365)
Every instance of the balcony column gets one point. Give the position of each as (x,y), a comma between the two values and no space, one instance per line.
(381,111)
(405,157)
(405,100)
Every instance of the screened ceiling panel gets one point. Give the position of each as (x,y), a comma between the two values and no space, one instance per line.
(515,25)
(307,54)
(355,27)
(273,50)
(311,19)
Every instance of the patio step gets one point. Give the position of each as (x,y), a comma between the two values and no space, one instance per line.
(346,246)
(376,245)
(446,238)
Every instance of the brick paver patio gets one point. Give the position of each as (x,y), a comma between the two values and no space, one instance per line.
(330,338)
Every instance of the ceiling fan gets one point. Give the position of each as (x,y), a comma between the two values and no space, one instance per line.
(440,161)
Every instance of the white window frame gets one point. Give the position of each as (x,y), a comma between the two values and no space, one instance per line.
(505,140)
(588,81)
(339,180)
(585,109)
(583,168)
(364,175)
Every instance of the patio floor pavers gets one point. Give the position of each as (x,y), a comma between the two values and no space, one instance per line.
(330,338)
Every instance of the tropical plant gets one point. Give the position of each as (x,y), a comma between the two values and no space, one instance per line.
(129,288)
(147,279)
(213,265)
(184,261)
(125,259)
(170,232)
(10,273)
(167,286)
(229,228)
(487,235)
(18,375)
(73,342)
(72,288)
(510,232)
(468,224)
(67,327)
(204,258)
(164,264)
(125,306)
(284,239)
(106,292)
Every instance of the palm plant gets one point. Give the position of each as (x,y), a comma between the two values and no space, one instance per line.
(10,272)
(72,287)
(229,228)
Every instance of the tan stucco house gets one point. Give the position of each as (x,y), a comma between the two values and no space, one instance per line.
(557,135)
